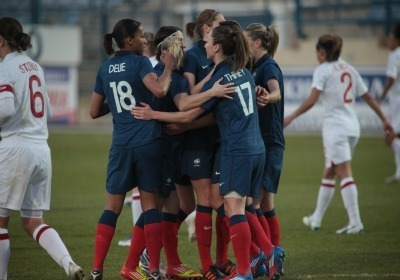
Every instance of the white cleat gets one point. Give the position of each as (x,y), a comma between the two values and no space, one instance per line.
(392,179)
(351,229)
(125,242)
(75,272)
(309,222)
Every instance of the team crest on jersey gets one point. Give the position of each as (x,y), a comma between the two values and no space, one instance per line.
(196,162)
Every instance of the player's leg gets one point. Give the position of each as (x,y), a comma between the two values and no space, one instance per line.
(393,141)
(4,242)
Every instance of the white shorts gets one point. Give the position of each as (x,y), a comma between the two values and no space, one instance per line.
(394,113)
(338,148)
(25,176)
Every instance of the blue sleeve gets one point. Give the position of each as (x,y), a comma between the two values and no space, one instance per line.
(210,103)
(190,64)
(98,87)
(144,66)
(270,71)
(179,85)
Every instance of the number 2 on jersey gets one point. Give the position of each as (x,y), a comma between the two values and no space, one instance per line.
(346,78)
(121,92)
(247,109)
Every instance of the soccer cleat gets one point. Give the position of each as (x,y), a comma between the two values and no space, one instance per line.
(260,271)
(275,263)
(144,263)
(75,272)
(392,179)
(309,222)
(257,261)
(95,274)
(155,275)
(351,229)
(125,242)
(237,276)
(182,272)
(212,274)
(135,274)
(227,269)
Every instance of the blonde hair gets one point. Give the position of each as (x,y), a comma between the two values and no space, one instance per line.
(174,46)
(268,35)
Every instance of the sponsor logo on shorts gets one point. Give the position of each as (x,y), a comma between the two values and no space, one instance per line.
(196,162)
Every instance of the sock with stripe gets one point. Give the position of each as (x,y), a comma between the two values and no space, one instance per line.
(274,227)
(349,192)
(49,239)
(138,244)
(222,235)
(153,235)
(241,239)
(203,224)
(263,222)
(4,252)
(325,194)
(136,207)
(257,233)
(104,234)
(170,238)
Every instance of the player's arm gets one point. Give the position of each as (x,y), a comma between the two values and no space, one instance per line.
(177,128)
(98,106)
(146,113)
(388,85)
(367,97)
(274,91)
(7,107)
(304,107)
(159,85)
(186,102)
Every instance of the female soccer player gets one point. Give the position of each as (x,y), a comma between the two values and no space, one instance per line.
(338,84)
(263,42)
(392,87)
(135,155)
(25,161)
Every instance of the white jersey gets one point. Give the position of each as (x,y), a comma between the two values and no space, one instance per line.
(23,79)
(393,71)
(339,84)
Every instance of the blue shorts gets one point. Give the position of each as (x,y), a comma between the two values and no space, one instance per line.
(273,167)
(139,166)
(242,174)
(217,167)
(198,160)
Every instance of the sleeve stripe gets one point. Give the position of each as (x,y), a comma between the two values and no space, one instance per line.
(6,88)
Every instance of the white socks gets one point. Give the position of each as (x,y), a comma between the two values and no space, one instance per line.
(325,194)
(396,151)
(49,239)
(4,253)
(350,200)
(136,206)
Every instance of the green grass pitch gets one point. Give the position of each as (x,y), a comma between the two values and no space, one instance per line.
(78,197)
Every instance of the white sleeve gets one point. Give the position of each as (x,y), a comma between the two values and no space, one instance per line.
(318,80)
(7,108)
(391,69)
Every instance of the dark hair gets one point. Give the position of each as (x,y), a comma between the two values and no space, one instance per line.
(396,30)
(229,35)
(11,31)
(124,28)
(161,34)
(149,36)
(332,45)
(268,35)
(194,30)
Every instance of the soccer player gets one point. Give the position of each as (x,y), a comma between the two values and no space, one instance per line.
(123,82)
(338,85)
(25,161)
(392,89)
(263,42)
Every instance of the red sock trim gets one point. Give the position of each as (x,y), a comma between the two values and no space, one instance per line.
(4,236)
(43,229)
(347,184)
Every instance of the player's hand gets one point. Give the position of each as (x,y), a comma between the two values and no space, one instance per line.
(168,59)
(175,128)
(262,96)
(142,113)
(219,90)
(287,120)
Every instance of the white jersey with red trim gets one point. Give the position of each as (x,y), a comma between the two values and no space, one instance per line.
(22,79)
(339,84)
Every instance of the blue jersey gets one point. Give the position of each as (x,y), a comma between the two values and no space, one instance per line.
(196,62)
(119,80)
(271,116)
(237,119)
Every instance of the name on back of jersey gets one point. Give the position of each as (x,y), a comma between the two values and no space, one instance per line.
(234,75)
(116,68)
(28,66)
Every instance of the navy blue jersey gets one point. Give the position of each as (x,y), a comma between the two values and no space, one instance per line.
(119,80)
(237,119)
(196,62)
(270,116)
